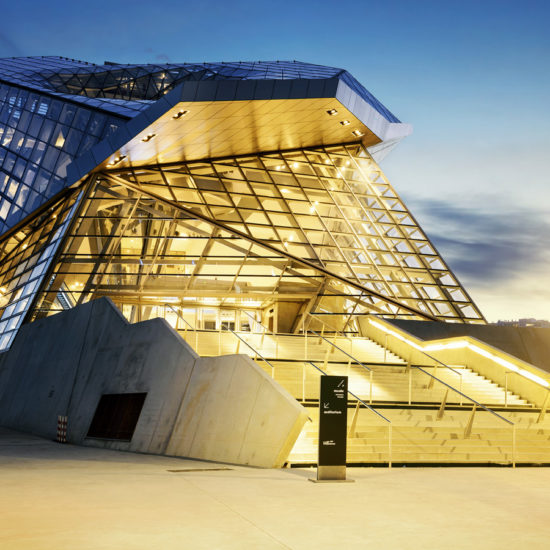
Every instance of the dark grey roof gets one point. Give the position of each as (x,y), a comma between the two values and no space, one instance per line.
(130,87)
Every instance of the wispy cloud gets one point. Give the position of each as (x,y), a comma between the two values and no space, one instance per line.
(486,245)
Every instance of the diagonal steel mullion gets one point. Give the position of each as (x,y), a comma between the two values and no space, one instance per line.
(267,246)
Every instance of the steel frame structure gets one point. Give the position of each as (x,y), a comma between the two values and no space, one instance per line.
(280,234)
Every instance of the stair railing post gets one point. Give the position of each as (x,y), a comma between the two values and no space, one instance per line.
(432,378)
(385,346)
(333,344)
(542,412)
(389,445)
(303,382)
(460,388)
(506,388)
(470,424)
(352,429)
(370,386)
(327,353)
(409,369)
(441,410)
(514,446)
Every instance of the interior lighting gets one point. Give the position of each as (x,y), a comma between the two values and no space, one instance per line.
(116,160)
(345,122)
(332,112)
(148,137)
(179,114)
(295,165)
(358,133)
(449,345)
(393,333)
(3,290)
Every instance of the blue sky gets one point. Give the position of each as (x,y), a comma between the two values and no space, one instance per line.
(472,77)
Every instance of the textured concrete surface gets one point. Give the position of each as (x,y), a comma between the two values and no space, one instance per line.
(221,408)
(66,497)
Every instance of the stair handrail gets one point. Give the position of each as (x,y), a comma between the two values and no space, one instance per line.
(181,316)
(354,420)
(256,352)
(463,394)
(258,322)
(471,343)
(351,393)
(438,361)
(341,332)
(340,349)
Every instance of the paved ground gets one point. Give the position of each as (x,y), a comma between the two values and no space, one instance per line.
(64,497)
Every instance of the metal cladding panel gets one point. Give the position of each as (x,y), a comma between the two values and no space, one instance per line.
(234,108)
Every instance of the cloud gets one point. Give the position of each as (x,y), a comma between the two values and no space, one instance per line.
(485,245)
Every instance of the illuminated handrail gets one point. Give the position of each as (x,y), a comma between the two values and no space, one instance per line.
(467,342)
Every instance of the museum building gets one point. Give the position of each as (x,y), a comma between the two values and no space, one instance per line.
(238,213)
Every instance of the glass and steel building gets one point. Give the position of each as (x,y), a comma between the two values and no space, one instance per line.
(212,194)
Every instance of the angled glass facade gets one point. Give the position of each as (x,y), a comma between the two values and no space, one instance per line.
(39,137)
(268,235)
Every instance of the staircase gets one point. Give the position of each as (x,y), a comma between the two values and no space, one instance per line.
(427,421)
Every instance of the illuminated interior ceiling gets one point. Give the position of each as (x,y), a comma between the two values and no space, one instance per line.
(213,119)
(231,128)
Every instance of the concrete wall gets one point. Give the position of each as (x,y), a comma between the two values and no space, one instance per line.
(222,409)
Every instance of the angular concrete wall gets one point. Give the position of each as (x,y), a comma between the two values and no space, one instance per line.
(222,409)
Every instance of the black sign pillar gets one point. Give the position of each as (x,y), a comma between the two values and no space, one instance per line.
(333,421)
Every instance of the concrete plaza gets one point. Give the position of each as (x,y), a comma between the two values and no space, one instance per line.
(55,496)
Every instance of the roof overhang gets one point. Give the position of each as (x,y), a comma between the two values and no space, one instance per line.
(238,117)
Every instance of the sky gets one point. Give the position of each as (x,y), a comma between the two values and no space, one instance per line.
(472,77)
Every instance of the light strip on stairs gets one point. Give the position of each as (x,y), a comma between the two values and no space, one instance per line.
(458,344)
